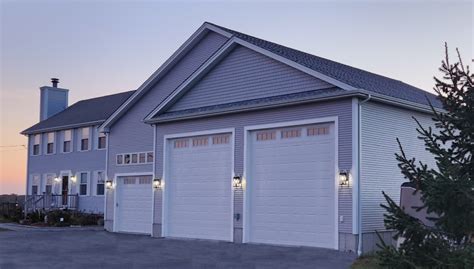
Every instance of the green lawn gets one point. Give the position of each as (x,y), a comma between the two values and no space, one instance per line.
(366,262)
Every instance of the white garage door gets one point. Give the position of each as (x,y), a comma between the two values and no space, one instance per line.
(134,204)
(291,186)
(199,187)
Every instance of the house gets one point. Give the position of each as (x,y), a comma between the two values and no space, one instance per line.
(239,139)
(66,158)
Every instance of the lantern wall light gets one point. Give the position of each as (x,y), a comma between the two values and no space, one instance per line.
(157,183)
(344,179)
(109,184)
(237,181)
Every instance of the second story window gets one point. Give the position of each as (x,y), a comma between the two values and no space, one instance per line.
(36,144)
(67,141)
(83,184)
(85,138)
(50,145)
(101,143)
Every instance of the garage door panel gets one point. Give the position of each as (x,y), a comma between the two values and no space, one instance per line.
(292,182)
(199,189)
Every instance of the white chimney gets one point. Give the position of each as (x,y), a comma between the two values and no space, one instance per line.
(53,99)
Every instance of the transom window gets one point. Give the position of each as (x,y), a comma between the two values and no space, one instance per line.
(134,158)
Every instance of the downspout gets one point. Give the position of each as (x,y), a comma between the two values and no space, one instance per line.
(106,168)
(359,218)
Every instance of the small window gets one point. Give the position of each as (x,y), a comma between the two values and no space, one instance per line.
(50,145)
(83,184)
(200,141)
(291,133)
(100,183)
(36,145)
(102,141)
(126,158)
(67,141)
(85,138)
(220,139)
(119,159)
(266,135)
(134,158)
(149,157)
(181,143)
(129,180)
(144,180)
(312,131)
(34,190)
(142,157)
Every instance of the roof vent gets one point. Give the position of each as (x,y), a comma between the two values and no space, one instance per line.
(55,82)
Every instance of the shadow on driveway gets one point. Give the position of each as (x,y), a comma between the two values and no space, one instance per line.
(99,249)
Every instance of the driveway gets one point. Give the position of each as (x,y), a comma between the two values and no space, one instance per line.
(99,249)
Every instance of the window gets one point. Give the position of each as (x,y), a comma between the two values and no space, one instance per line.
(67,141)
(312,131)
(102,141)
(50,145)
(85,138)
(36,145)
(83,184)
(49,184)
(149,157)
(266,135)
(291,133)
(35,182)
(34,190)
(142,157)
(100,183)
(134,158)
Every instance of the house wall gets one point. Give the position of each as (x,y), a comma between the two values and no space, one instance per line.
(245,74)
(130,134)
(340,108)
(76,161)
(380,126)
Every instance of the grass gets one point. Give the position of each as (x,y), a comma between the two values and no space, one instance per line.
(4,220)
(4,230)
(366,262)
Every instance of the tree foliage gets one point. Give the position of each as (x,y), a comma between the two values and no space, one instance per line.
(447,190)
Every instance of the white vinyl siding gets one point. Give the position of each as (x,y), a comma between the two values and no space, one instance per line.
(380,126)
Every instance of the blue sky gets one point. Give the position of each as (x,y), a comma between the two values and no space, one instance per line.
(104,47)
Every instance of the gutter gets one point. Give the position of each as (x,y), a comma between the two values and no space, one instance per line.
(359,207)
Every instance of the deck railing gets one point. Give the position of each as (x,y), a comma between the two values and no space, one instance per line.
(51,202)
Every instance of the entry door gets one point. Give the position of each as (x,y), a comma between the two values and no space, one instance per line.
(134,204)
(199,187)
(291,186)
(65,189)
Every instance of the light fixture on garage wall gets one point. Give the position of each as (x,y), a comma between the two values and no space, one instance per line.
(56,179)
(108,184)
(237,181)
(344,178)
(73,179)
(157,183)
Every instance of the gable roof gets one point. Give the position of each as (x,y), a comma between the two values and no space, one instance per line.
(82,113)
(352,76)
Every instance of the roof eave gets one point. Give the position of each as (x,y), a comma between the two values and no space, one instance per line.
(62,127)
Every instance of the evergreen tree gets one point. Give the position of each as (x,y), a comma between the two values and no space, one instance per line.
(447,191)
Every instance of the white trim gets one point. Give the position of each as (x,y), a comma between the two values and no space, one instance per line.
(152,181)
(248,129)
(355,164)
(115,184)
(165,196)
(190,42)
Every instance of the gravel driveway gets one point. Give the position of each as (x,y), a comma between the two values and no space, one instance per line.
(99,249)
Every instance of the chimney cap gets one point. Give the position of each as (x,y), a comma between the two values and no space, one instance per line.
(55,82)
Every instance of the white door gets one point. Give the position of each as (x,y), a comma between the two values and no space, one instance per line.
(199,187)
(291,186)
(134,204)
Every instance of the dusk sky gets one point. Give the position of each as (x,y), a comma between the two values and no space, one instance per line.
(103,47)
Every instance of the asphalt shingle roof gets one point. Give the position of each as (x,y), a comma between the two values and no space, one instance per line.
(84,111)
(352,76)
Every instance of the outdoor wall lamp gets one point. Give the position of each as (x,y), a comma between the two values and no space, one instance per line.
(157,183)
(237,181)
(73,179)
(344,178)
(108,184)
(56,179)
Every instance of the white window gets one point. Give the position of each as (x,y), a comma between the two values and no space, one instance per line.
(36,144)
(84,143)
(50,144)
(35,184)
(48,188)
(102,142)
(100,181)
(67,134)
(134,158)
(83,183)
